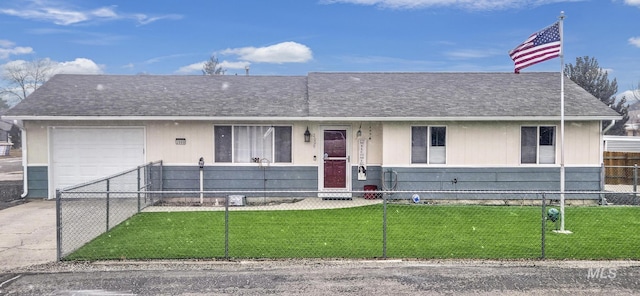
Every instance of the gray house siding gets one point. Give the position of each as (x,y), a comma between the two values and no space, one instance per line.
(495,179)
(244,178)
(374,177)
(305,178)
(38,181)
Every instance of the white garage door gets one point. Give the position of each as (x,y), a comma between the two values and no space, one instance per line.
(84,154)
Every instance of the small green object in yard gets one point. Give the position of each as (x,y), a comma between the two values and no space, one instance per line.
(553,214)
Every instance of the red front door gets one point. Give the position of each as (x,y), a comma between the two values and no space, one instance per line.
(335,159)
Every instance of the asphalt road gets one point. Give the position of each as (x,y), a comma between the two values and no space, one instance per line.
(10,164)
(10,171)
(322,277)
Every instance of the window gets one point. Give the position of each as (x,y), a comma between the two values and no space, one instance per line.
(538,144)
(248,143)
(428,144)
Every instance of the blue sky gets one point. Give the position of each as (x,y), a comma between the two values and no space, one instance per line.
(294,37)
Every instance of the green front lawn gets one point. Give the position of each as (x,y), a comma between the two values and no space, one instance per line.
(413,231)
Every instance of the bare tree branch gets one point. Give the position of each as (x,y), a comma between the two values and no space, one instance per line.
(24,78)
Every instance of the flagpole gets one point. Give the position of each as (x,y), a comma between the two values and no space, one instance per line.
(562,168)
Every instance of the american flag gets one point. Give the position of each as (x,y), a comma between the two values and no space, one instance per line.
(539,47)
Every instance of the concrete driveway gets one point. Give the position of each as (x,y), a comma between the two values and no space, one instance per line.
(27,235)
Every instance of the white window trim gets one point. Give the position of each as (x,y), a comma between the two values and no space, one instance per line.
(233,148)
(446,146)
(555,145)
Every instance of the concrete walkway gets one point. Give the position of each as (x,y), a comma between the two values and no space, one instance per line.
(310,203)
(27,235)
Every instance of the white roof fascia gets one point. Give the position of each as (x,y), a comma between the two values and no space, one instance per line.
(273,118)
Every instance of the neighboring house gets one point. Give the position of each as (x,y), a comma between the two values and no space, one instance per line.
(5,138)
(326,132)
(621,143)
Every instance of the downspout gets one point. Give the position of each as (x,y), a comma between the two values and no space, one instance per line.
(606,129)
(23,144)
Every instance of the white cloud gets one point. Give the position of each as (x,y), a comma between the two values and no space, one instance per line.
(6,52)
(465,4)
(285,52)
(195,67)
(6,43)
(225,65)
(234,65)
(8,48)
(635,41)
(78,66)
(106,12)
(144,19)
(57,16)
(49,12)
(632,2)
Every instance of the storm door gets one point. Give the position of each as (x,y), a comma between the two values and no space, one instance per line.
(336,163)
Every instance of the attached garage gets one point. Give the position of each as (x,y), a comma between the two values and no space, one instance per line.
(80,154)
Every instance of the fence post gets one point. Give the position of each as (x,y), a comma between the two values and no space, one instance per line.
(384,225)
(544,225)
(635,178)
(603,176)
(139,167)
(161,177)
(226,227)
(107,204)
(147,183)
(58,226)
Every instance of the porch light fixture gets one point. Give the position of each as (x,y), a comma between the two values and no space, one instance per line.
(307,136)
(359,133)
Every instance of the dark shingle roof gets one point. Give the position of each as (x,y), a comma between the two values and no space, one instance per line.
(448,95)
(146,95)
(318,95)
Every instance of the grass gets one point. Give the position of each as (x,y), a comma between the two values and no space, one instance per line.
(413,231)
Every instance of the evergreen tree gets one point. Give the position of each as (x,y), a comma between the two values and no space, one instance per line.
(588,75)
(211,67)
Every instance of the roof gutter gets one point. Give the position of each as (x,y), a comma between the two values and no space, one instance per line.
(606,129)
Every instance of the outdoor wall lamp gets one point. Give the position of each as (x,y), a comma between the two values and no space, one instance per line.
(201,162)
(359,133)
(307,136)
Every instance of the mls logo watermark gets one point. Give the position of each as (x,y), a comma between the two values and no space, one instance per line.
(601,273)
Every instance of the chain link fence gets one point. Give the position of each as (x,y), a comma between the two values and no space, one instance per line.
(621,185)
(85,211)
(380,224)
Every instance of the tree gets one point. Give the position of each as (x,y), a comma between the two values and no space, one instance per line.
(588,75)
(211,67)
(3,105)
(23,77)
(635,92)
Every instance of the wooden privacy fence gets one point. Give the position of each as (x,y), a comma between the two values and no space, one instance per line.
(619,167)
